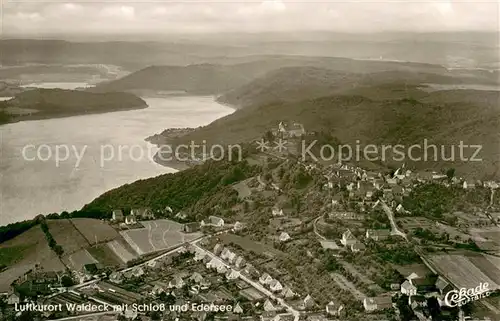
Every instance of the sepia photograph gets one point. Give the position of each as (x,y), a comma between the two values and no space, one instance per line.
(244,160)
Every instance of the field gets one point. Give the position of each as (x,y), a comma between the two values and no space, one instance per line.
(95,230)
(156,236)
(121,251)
(35,250)
(104,254)
(249,245)
(78,259)
(467,270)
(67,236)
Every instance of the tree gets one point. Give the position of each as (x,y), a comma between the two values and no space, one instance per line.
(450,173)
(67,281)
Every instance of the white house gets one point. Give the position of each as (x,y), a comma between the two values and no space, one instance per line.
(117,216)
(469,184)
(348,238)
(308,302)
(334,309)
(232,274)
(377,303)
(265,279)
(284,236)
(275,286)
(408,288)
(130,219)
(268,306)
(287,293)
(240,262)
(237,309)
(277,211)
(13,299)
(377,235)
(216,221)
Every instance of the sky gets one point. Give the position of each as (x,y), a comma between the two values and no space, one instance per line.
(196,16)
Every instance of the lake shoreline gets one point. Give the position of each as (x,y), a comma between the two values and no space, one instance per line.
(45,116)
(68,188)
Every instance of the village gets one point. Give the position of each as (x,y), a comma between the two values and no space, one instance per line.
(351,248)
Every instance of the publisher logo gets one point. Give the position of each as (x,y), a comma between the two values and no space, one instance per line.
(463,296)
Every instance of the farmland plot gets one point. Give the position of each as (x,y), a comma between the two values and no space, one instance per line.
(78,259)
(95,231)
(461,271)
(156,236)
(120,251)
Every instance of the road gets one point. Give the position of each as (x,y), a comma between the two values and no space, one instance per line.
(256,285)
(79,317)
(394,227)
(316,229)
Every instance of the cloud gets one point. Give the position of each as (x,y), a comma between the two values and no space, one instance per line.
(268,15)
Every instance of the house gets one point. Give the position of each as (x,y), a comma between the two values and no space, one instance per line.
(426,284)
(251,271)
(216,221)
(377,303)
(276,211)
(357,247)
(418,301)
(221,269)
(238,226)
(284,236)
(400,209)
(268,306)
(144,213)
(116,277)
(293,130)
(287,293)
(334,309)
(196,277)
(275,286)
(232,274)
(199,255)
(117,216)
(329,245)
(218,248)
(377,235)
(177,282)
(13,299)
(308,302)
(408,288)
(130,219)
(265,279)
(181,216)
(228,255)
(365,189)
(153,264)
(348,238)
(168,209)
(191,227)
(237,309)
(469,184)
(240,262)
(214,263)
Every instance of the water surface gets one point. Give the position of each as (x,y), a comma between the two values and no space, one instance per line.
(33,183)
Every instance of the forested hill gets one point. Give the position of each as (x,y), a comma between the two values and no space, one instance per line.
(47,103)
(206,184)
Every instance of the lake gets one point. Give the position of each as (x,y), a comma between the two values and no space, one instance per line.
(98,152)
